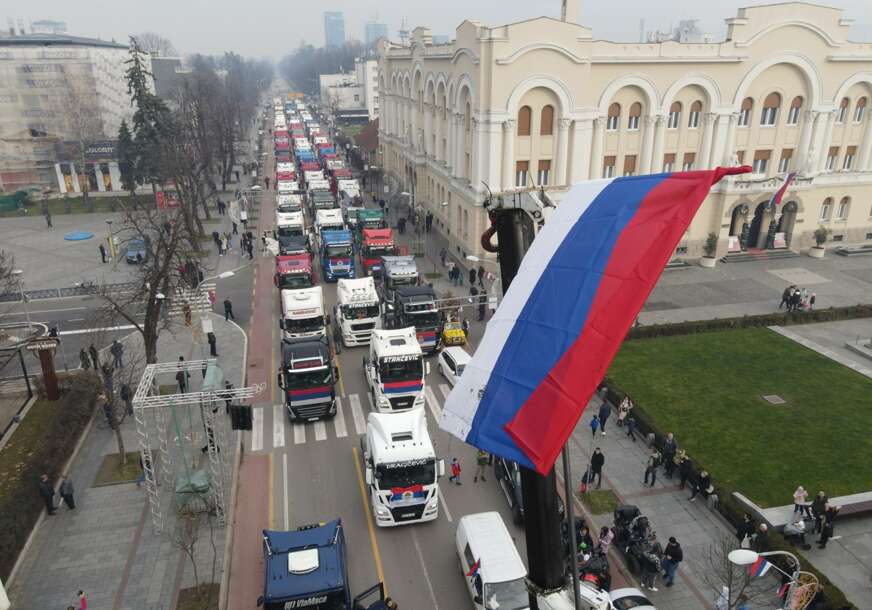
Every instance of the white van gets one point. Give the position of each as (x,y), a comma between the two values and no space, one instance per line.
(491,565)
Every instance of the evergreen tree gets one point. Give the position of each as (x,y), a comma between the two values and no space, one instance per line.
(126,158)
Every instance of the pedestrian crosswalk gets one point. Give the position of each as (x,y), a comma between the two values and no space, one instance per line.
(197,299)
(272,429)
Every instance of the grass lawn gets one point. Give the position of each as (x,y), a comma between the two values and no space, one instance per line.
(195,598)
(707,388)
(112,472)
(600,501)
(56,206)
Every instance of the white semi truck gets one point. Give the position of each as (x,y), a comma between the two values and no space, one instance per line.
(395,370)
(402,470)
(303,313)
(356,313)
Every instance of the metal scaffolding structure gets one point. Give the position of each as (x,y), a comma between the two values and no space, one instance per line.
(157,418)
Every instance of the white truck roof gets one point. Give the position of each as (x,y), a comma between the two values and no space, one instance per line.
(321,184)
(329,217)
(286,186)
(285,219)
(289,199)
(313,175)
(399,437)
(302,302)
(395,342)
(281,166)
(358,290)
(347,182)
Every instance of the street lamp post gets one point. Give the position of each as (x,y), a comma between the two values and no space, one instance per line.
(19,274)
(804,583)
(111,239)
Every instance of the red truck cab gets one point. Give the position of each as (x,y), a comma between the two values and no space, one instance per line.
(293,272)
(375,244)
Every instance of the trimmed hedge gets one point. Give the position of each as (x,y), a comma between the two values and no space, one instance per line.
(42,443)
(731,510)
(831,314)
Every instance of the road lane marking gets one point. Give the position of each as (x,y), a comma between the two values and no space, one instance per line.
(96,330)
(320,430)
(373,543)
(339,420)
(357,414)
(424,569)
(271,494)
(34,313)
(299,434)
(444,503)
(278,427)
(76,320)
(273,379)
(445,389)
(430,399)
(285,485)
(257,429)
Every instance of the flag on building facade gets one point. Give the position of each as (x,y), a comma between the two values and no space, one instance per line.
(778,195)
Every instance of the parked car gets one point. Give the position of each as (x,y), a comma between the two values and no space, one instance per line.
(508,475)
(630,598)
(452,362)
(136,247)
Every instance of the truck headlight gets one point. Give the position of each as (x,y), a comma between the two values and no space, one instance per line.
(419,400)
(381,511)
(382,400)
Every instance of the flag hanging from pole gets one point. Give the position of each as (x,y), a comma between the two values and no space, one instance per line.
(760,567)
(779,194)
(577,292)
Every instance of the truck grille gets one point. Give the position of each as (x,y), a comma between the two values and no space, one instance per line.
(364,326)
(309,411)
(402,402)
(408,513)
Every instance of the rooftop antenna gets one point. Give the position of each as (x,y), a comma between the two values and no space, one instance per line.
(404,32)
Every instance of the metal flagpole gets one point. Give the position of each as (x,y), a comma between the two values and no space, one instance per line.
(570,523)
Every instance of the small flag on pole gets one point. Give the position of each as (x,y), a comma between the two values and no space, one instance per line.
(474,569)
(779,194)
(760,567)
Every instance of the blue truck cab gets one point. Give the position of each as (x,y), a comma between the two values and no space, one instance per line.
(337,255)
(307,568)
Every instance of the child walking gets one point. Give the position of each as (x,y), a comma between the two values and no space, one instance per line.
(455,471)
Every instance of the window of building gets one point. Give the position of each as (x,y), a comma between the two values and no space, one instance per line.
(740,156)
(745,112)
(674,116)
(842,210)
(669,162)
(843,110)
(784,162)
(761,161)
(524,115)
(609,167)
(693,117)
(630,165)
(689,160)
(614,119)
(467,118)
(546,128)
(860,110)
(868,236)
(356,98)
(832,156)
(795,109)
(770,109)
(848,162)
(826,207)
(838,237)
(521,170)
(544,171)
(635,116)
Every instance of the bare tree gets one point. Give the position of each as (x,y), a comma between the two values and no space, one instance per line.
(83,126)
(731,582)
(156,44)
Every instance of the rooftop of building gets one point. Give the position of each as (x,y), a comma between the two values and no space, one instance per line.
(60,40)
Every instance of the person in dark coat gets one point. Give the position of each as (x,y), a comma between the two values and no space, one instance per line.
(213,344)
(66,492)
(127,397)
(46,492)
(228,310)
(818,508)
(597,461)
(472,276)
(480,276)
(103,252)
(746,528)
(701,486)
(672,556)
(95,358)
(761,540)
(785,297)
(670,447)
(828,525)
(685,467)
(84,359)
(605,412)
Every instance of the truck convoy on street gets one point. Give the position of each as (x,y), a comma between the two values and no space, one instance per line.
(395,370)
(375,243)
(293,272)
(397,271)
(357,311)
(308,377)
(302,313)
(336,253)
(415,306)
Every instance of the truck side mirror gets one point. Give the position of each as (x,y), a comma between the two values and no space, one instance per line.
(440,468)
(477,599)
(260,601)
(282,323)
(336,372)
(326,319)
(426,368)
(368,475)
(279,381)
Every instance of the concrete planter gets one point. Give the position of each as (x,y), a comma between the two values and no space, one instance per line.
(708,262)
(816,252)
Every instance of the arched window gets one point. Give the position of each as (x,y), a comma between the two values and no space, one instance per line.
(468,117)
(614,120)
(674,116)
(826,208)
(524,115)
(795,109)
(770,109)
(546,127)
(843,110)
(745,112)
(860,110)
(693,117)
(635,116)
(842,210)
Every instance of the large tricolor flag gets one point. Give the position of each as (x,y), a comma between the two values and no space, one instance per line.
(778,195)
(578,290)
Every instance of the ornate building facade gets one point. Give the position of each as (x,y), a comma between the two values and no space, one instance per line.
(541,102)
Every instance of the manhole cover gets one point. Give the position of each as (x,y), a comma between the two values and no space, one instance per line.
(774,399)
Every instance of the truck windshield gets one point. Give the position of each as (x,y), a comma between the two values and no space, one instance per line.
(377,251)
(400,370)
(337,251)
(394,282)
(304,325)
(360,313)
(511,595)
(405,474)
(299,380)
(322,600)
(423,320)
(292,282)
(287,208)
(290,231)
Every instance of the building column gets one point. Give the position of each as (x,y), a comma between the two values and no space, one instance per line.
(659,144)
(429,146)
(508,154)
(115,176)
(719,139)
(829,122)
(705,156)
(98,175)
(596,158)
(493,162)
(646,162)
(75,176)
(62,187)
(582,141)
(460,147)
(864,161)
(562,150)
(730,147)
(475,157)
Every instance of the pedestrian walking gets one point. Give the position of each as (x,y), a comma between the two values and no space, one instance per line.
(481,462)
(818,508)
(455,471)
(651,467)
(235,229)
(250,247)
(443,253)
(83,601)
(213,344)
(103,252)
(800,503)
(670,446)
(594,425)
(745,531)
(811,301)
(95,358)
(828,525)
(186,312)
(46,492)
(685,466)
(597,461)
(785,297)
(84,359)
(266,181)
(606,535)
(428,221)
(183,378)
(48,221)
(605,411)
(480,273)
(228,397)
(631,428)
(127,397)
(672,556)
(623,411)
(228,310)
(117,351)
(66,492)
(702,485)
(472,276)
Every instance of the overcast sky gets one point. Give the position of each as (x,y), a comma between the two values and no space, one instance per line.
(272,28)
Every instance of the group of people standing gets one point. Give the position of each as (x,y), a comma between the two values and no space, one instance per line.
(795,299)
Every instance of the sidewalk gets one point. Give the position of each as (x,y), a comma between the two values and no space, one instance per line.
(107,547)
